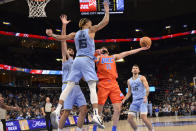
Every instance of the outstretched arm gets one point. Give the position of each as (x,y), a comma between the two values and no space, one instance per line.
(104,21)
(6,107)
(131,52)
(128,93)
(70,36)
(145,83)
(65,55)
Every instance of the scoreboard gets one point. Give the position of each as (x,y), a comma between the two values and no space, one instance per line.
(96,7)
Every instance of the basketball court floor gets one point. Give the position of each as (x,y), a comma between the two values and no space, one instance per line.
(184,123)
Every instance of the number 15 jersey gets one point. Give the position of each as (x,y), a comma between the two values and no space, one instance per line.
(137,88)
(85,45)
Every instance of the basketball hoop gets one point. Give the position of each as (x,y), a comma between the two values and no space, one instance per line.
(37,8)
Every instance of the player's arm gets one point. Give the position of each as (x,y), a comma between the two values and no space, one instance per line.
(65,55)
(104,21)
(128,93)
(131,52)
(70,36)
(6,107)
(145,83)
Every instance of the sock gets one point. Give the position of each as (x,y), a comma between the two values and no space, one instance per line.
(58,109)
(93,92)
(114,128)
(94,127)
(78,129)
(60,129)
(95,111)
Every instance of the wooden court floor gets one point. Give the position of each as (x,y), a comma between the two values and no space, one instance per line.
(184,123)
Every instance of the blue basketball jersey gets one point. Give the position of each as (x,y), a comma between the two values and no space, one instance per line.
(137,88)
(85,45)
(66,68)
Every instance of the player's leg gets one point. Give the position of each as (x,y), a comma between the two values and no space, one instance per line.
(134,108)
(116,97)
(63,119)
(75,76)
(82,116)
(131,121)
(144,112)
(89,74)
(81,103)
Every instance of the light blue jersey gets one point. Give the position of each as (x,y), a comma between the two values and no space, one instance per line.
(75,97)
(138,92)
(85,45)
(66,68)
(83,65)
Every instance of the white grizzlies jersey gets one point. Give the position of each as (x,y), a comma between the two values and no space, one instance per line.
(137,88)
(85,45)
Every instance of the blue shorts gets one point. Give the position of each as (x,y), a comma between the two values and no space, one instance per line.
(83,67)
(139,106)
(75,98)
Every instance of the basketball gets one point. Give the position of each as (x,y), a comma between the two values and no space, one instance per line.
(144,41)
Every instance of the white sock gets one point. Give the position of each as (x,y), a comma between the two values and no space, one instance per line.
(60,129)
(93,92)
(58,109)
(67,90)
(78,129)
(95,111)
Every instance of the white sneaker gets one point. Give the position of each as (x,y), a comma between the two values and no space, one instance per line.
(54,117)
(97,120)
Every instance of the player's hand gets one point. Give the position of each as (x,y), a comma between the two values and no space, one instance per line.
(106,6)
(64,19)
(49,32)
(17,108)
(145,48)
(145,99)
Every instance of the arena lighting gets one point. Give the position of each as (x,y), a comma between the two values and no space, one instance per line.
(58,59)
(120,60)
(137,30)
(6,23)
(58,30)
(180,94)
(167,27)
(185,26)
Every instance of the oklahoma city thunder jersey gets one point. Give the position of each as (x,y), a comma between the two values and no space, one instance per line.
(106,67)
(66,68)
(85,45)
(137,88)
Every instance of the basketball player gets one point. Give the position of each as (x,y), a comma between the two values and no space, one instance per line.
(76,96)
(83,65)
(108,86)
(139,88)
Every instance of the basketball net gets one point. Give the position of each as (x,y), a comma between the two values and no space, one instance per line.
(37,8)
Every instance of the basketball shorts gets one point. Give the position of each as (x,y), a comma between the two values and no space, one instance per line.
(139,106)
(109,88)
(75,98)
(83,67)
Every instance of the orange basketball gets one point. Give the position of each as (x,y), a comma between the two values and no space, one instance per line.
(144,41)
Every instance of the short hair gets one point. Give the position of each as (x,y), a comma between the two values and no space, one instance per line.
(103,47)
(135,65)
(83,22)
